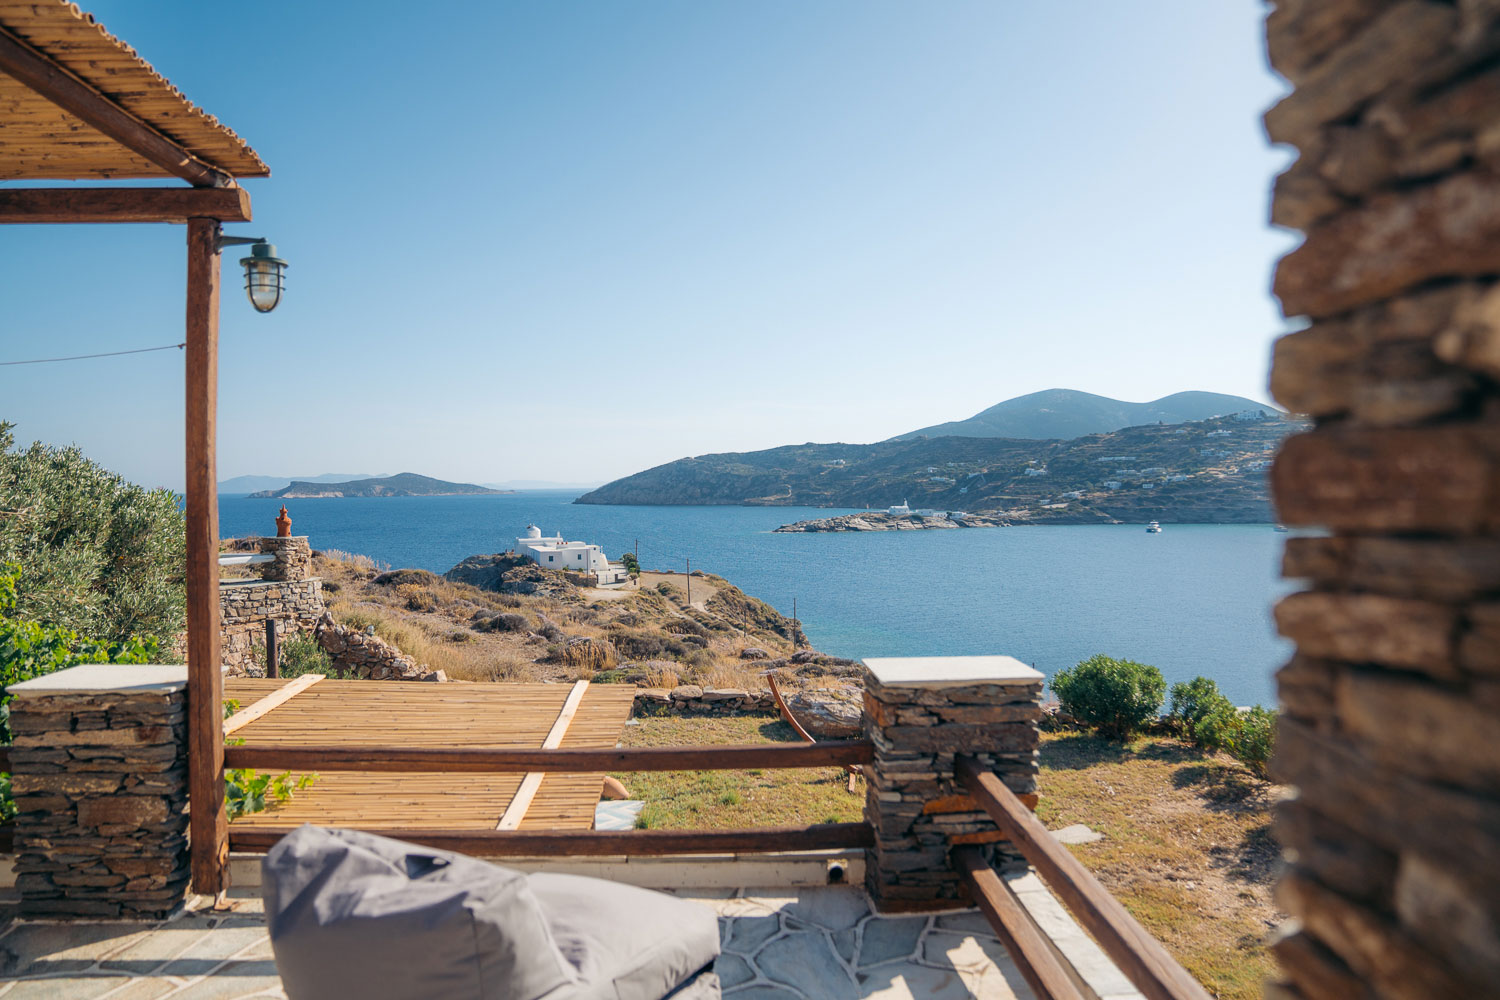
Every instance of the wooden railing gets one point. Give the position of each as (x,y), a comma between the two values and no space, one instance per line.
(571,761)
(514,843)
(1139,955)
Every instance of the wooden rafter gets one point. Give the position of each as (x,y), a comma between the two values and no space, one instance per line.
(160,204)
(47,78)
(516,811)
(277,698)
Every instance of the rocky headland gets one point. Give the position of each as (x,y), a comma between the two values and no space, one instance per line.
(1205,472)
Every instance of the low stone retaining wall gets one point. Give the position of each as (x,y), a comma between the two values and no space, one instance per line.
(244,609)
(824,714)
(366,656)
(285,594)
(99,772)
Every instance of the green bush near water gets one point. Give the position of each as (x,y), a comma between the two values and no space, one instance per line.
(1194,701)
(1117,697)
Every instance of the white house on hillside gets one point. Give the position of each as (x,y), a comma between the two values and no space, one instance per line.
(577,557)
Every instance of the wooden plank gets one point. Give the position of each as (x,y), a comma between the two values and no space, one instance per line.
(68,92)
(502,759)
(625,843)
(516,811)
(281,696)
(1037,963)
(1139,955)
(49,205)
(208,824)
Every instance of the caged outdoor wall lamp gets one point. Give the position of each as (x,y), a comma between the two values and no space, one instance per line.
(264,271)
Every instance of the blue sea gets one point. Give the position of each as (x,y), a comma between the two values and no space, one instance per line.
(1192,600)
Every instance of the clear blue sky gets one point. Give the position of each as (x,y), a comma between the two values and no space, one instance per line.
(573,240)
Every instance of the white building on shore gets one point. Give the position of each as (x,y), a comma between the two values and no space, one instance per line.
(576,557)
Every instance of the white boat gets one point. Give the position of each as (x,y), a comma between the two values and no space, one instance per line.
(1280,527)
(1153,528)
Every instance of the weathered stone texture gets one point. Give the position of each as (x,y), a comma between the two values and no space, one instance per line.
(1390,717)
(100,784)
(365,656)
(913,800)
(286,595)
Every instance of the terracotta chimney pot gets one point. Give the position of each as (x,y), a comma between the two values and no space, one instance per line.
(283,524)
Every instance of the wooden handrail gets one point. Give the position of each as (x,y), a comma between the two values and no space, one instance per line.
(1139,955)
(573,760)
(566,843)
(1022,939)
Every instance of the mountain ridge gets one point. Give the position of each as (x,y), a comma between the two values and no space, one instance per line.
(1211,471)
(1070,413)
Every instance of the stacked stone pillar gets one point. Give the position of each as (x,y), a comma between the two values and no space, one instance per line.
(1390,726)
(920,713)
(293,558)
(99,773)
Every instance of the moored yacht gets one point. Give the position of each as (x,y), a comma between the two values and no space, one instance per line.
(1153,528)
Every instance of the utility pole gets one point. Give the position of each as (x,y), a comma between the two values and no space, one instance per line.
(690,582)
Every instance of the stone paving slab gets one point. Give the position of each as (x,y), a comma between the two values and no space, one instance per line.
(778,944)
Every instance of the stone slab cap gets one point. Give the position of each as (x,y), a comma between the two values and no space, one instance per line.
(99,678)
(949,671)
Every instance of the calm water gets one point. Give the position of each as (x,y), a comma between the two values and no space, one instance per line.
(1192,600)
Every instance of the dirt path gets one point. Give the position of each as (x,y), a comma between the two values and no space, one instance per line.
(703,591)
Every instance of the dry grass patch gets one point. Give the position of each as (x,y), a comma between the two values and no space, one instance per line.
(702,800)
(1187,847)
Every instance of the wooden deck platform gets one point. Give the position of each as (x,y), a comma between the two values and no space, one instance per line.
(408,714)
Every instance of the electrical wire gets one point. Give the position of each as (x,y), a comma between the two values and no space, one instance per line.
(84,357)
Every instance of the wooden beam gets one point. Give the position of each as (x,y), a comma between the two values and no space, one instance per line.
(36,71)
(579,760)
(207,822)
(619,843)
(1033,956)
(50,205)
(1139,955)
(280,696)
(516,811)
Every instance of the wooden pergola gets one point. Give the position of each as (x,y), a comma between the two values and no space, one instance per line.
(78,104)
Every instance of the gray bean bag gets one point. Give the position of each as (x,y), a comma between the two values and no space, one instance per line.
(352,914)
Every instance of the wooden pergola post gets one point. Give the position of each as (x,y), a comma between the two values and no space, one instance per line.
(83,105)
(208,825)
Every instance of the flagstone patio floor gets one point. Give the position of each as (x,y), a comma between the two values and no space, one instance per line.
(778,944)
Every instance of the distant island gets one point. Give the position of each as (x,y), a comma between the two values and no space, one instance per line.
(256,483)
(1205,471)
(405,484)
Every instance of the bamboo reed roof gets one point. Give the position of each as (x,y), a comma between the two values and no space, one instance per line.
(407,714)
(40,140)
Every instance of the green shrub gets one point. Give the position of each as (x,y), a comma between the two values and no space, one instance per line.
(100,556)
(1257,739)
(1249,737)
(301,654)
(1193,701)
(30,650)
(1116,697)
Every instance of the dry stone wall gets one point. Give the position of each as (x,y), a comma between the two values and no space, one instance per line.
(100,784)
(1390,729)
(365,656)
(285,594)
